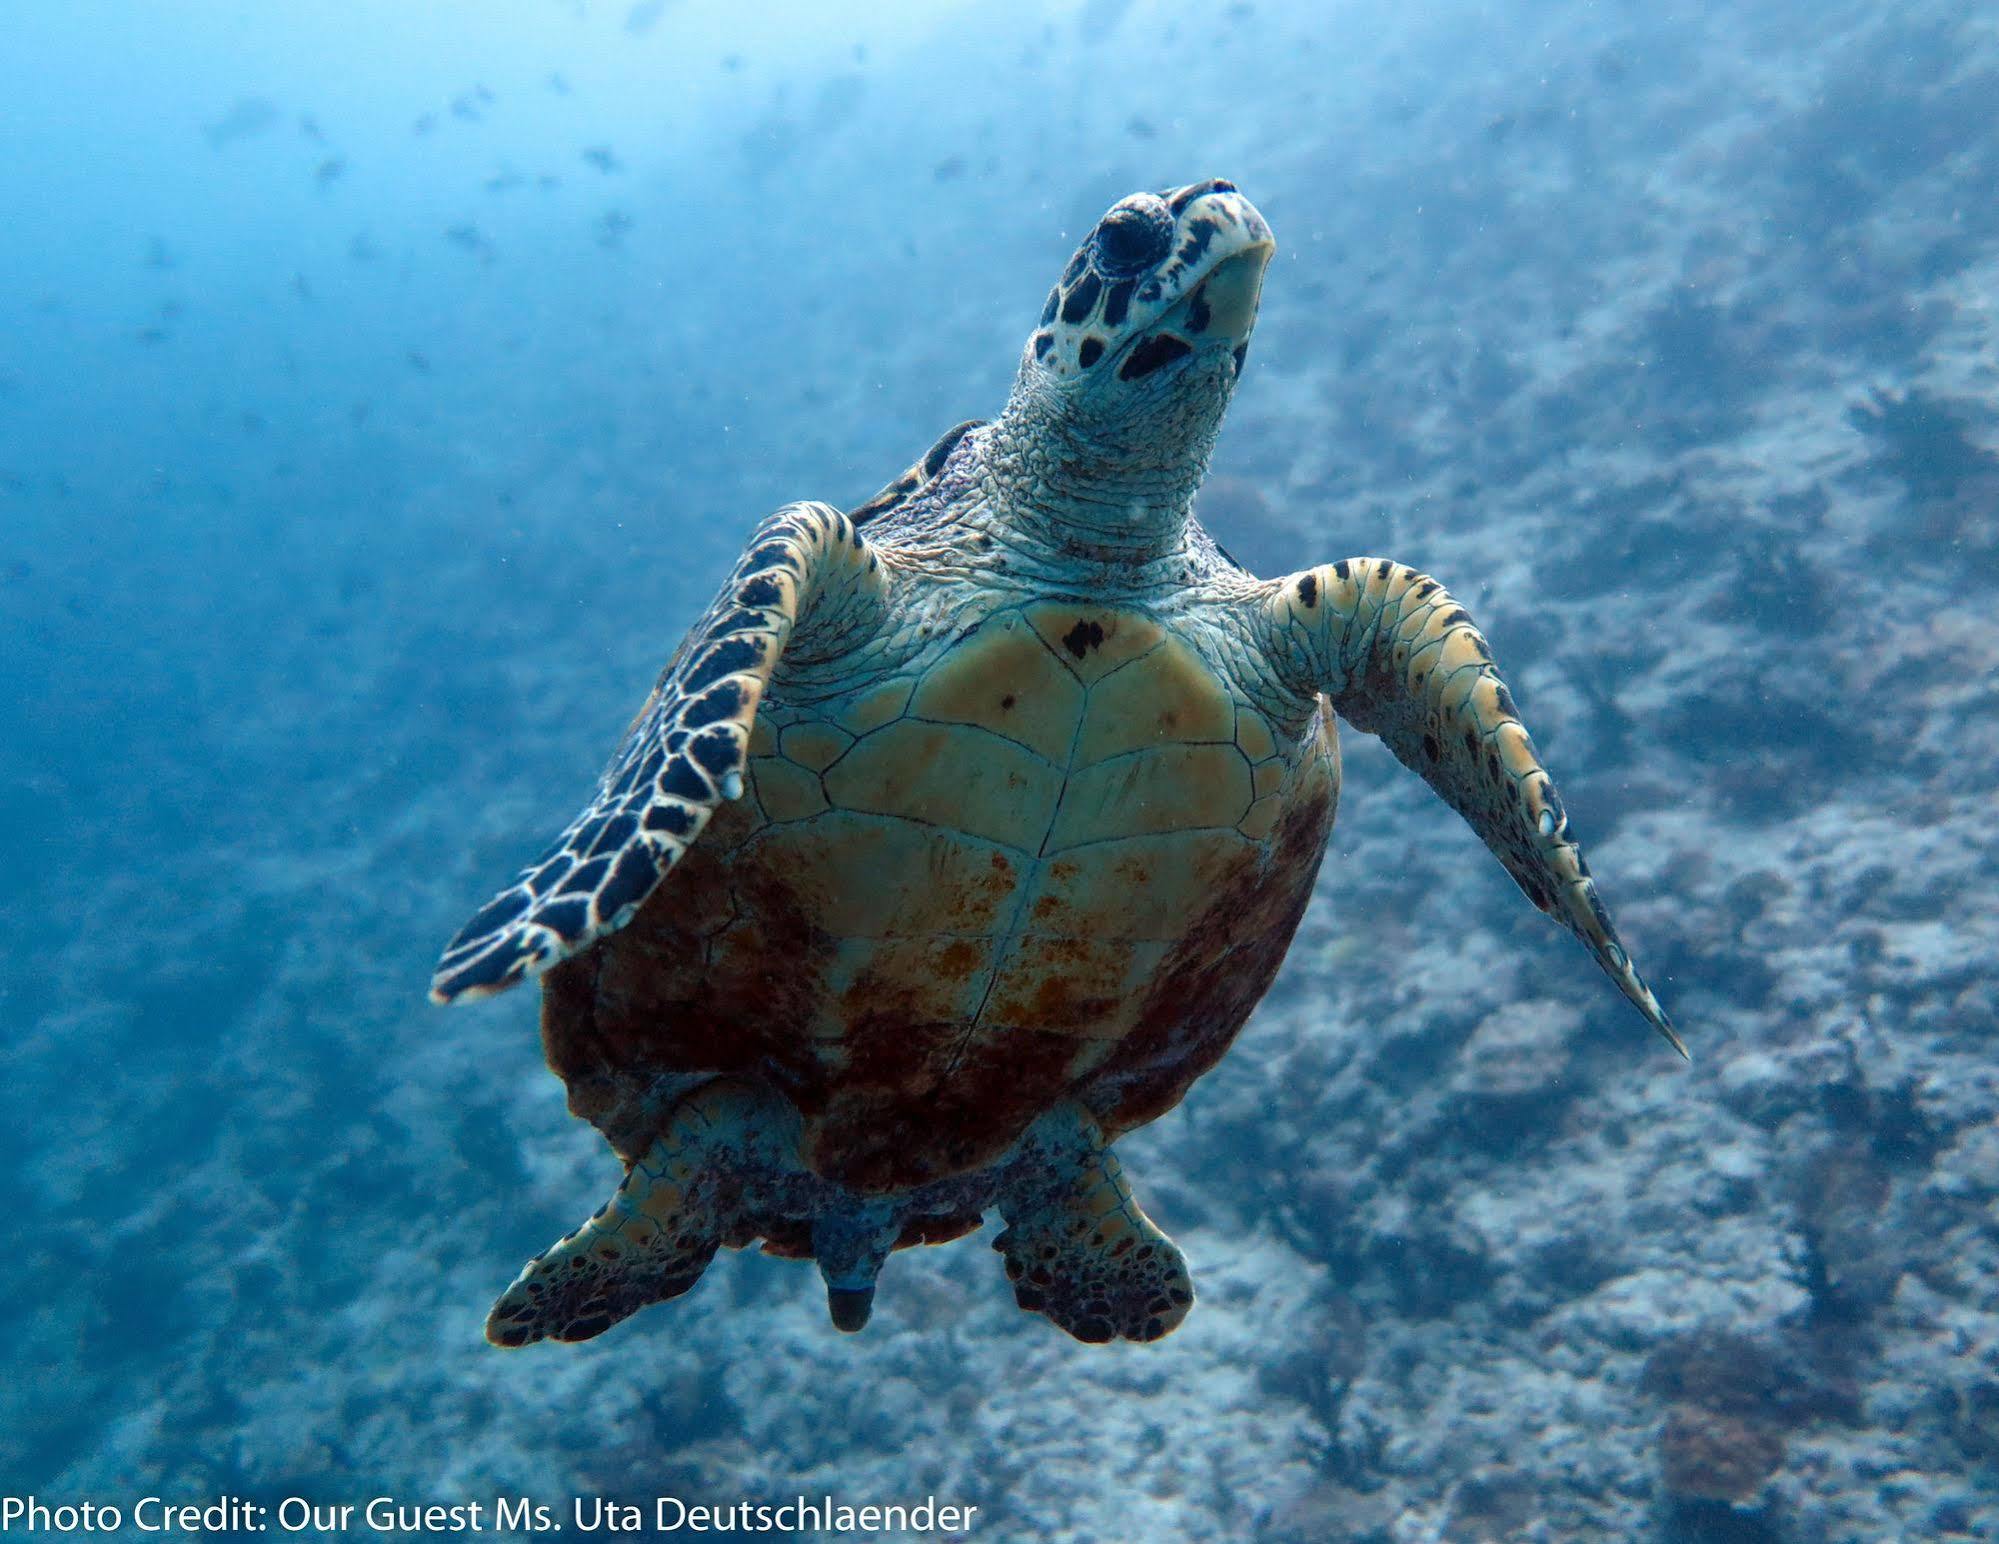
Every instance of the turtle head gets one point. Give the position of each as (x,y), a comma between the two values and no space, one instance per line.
(1164,283)
(1139,344)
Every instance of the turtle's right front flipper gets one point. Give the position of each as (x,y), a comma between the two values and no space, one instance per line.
(808,568)
(1399,658)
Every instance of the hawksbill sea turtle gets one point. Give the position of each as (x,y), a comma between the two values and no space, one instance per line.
(965,829)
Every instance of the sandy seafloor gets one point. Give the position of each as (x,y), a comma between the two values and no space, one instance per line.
(1669,344)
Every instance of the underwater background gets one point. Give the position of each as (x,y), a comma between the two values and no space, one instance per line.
(383,388)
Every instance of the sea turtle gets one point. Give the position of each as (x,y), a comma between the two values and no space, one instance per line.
(966,828)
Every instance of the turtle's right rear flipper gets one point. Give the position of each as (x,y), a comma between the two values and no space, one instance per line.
(1078,1250)
(654,1238)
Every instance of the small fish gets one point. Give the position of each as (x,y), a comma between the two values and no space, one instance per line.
(464,106)
(246,117)
(612,227)
(949,169)
(558,85)
(603,158)
(470,238)
(505,182)
(643,17)
(330,171)
(362,250)
(302,287)
(418,361)
(309,127)
(159,257)
(424,124)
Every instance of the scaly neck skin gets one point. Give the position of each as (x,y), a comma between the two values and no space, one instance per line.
(1075,491)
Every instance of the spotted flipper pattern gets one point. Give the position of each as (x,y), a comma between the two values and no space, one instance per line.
(1400,659)
(654,1238)
(915,478)
(808,566)
(1080,1251)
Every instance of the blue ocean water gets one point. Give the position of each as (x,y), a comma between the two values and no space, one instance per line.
(384,388)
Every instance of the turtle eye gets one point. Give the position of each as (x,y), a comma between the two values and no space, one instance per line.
(1133,236)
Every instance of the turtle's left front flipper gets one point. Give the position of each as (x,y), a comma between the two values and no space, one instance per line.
(809,580)
(1400,659)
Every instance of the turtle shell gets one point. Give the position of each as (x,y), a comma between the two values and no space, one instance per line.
(1059,855)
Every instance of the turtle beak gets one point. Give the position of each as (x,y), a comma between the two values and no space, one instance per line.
(1234,291)
(1220,231)
(1220,306)
(1229,297)
(1218,313)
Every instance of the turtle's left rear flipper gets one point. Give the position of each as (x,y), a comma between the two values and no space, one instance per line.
(653,1239)
(1399,658)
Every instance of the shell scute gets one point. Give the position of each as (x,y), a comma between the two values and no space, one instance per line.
(1165,696)
(1090,641)
(1169,788)
(1004,680)
(953,776)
